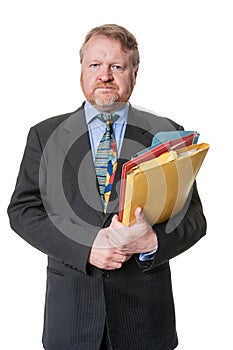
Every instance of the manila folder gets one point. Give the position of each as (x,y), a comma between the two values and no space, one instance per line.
(161,186)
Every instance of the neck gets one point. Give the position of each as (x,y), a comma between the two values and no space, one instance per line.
(116,106)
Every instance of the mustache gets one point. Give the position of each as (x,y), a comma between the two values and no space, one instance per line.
(105,85)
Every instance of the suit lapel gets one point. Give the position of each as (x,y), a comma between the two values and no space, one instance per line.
(77,147)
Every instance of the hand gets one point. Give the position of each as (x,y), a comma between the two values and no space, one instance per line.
(117,243)
(103,254)
(138,238)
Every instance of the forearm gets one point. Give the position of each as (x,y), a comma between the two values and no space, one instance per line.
(54,233)
(35,227)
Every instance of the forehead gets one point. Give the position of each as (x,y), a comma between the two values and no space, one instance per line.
(101,47)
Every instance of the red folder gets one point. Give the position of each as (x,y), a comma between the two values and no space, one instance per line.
(148,155)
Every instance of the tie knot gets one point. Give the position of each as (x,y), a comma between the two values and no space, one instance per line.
(108,118)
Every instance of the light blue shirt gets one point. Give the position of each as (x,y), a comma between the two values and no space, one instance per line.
(96,129)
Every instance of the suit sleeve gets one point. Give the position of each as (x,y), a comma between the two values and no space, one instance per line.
(30,220)
(183,230)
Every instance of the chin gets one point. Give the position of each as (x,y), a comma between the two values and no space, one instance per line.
(105,101)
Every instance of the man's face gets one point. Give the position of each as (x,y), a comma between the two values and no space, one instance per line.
(108,75)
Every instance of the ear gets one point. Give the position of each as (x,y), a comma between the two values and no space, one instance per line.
(135,72)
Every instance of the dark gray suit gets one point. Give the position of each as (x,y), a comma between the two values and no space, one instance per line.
(134,302)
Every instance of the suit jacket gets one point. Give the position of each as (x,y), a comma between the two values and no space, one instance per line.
(56,207)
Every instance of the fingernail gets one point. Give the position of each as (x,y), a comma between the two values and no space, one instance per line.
(139,210)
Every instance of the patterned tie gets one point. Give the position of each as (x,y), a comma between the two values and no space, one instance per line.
(106,158)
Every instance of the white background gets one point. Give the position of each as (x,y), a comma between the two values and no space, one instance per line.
(186,74)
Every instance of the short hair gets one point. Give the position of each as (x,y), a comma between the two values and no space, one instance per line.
(114,31)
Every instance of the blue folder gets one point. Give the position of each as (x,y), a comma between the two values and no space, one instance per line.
(164,136)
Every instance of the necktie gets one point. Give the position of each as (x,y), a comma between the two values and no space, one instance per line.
(106,159)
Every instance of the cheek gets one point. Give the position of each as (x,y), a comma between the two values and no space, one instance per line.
(127,85)
(87,81)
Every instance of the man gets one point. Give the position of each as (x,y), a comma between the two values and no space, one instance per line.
(108,285)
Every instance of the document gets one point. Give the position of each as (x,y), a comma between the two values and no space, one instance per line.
(187,137)
(171,143)
(160,186)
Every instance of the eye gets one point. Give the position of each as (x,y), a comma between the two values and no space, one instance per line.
(117,67)
(94,66)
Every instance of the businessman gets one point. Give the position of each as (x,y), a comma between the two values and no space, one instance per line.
(108,285)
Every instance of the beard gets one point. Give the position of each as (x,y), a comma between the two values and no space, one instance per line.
(105,100)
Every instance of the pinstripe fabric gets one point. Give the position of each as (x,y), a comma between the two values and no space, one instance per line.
(106,159)
(136,300)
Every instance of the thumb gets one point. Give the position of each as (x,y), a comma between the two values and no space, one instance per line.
(114,221)
(139,214)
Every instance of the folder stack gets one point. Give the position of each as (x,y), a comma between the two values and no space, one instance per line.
(159,179)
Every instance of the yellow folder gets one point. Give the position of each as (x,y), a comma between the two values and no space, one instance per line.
(161,186)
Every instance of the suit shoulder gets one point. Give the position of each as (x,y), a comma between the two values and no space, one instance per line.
(47,126)
(51,123)
(157,121)
(44,129)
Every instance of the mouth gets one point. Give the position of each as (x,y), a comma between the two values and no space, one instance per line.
(105,88)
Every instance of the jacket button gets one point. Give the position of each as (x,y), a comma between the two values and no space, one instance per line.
(106,274)
(90,268)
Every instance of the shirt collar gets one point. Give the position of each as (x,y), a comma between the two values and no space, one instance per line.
(91,112)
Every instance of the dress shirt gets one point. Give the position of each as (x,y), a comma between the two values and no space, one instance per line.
(96,129)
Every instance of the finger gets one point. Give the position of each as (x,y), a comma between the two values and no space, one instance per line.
(115,222)
(113,266)
(115,217)
(121,258)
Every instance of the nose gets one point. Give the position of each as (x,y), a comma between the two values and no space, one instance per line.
(105,73)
